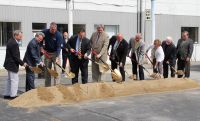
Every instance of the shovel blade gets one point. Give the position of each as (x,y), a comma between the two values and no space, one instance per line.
(36,70)
(53,73)
(69,75)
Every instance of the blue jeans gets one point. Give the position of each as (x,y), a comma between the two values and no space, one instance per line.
(30,77)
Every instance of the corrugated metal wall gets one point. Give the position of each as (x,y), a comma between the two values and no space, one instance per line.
(166,25)
(29,15)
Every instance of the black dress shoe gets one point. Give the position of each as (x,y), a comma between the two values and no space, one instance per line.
(6,97)
(11,98)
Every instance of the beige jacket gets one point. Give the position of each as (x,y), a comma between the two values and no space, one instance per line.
(101,45)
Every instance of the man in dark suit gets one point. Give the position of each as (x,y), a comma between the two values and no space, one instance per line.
(11,64)
(32,58)
(170,57)
(184,53)
(80,48)
(118,53)
(65,52)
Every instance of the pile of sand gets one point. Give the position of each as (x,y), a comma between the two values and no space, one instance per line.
(45,96)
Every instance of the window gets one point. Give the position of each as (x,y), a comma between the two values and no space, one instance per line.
(6,31)
(62,28)
(37,27)
(193,33)
(77,27)
(110,29)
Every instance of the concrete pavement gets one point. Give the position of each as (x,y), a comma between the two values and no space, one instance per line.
(170,106)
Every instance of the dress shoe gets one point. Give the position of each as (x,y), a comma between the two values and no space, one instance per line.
(11,98)
(6,97)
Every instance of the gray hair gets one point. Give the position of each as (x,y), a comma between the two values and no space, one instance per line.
(39,34)
(53,24)
(169,38)
(100,26)
(16,33)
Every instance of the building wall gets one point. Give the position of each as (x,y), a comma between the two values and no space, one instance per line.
(29,15)
(170,25)
(171,15)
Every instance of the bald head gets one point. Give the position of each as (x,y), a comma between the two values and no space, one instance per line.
(119,37)
(138,36)
(169,40)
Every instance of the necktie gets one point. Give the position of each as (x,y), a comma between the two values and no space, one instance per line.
(79,49)
(98,35)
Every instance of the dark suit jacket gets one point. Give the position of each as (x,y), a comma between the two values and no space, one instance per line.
(32,55)
(12,60)
(184,48)
(170,52)
(85,47)
(121,51)
(64,46)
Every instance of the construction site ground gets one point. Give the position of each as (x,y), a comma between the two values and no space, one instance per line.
(169,106)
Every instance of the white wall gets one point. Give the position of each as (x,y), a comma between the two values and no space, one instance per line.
(100,5)
(3,54)
(178,7)
(172,7)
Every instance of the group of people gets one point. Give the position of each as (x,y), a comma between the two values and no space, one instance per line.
(77,50)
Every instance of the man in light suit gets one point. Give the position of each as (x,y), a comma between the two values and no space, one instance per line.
(99,43)
(136,47)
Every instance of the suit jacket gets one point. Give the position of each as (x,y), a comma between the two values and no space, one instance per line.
(101,45)
(170,52)
(184,48)
(32,55)
(12,59)
(138,49)
(65,51)
(85,47)
(120,54)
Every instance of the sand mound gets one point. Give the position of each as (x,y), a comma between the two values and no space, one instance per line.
(60,94)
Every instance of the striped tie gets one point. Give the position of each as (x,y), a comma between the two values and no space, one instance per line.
(79,50)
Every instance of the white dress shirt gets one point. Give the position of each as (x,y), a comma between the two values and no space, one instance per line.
(159,54)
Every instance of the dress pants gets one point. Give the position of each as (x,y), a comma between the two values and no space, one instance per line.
(121,69)
(184,65)
(64,59)
(48,62)
(81,64)
(166,70)
(12,84)
(96,74)
(135,66)
(30,77)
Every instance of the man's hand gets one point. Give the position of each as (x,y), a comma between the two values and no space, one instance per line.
(187,59)
(120,64)
(72,50)
(41,64)
(42,50)
(57,60)
(98,56)
(85,56)
(167,62)
(25,65)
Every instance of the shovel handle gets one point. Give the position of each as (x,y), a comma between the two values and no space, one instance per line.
(148,58)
